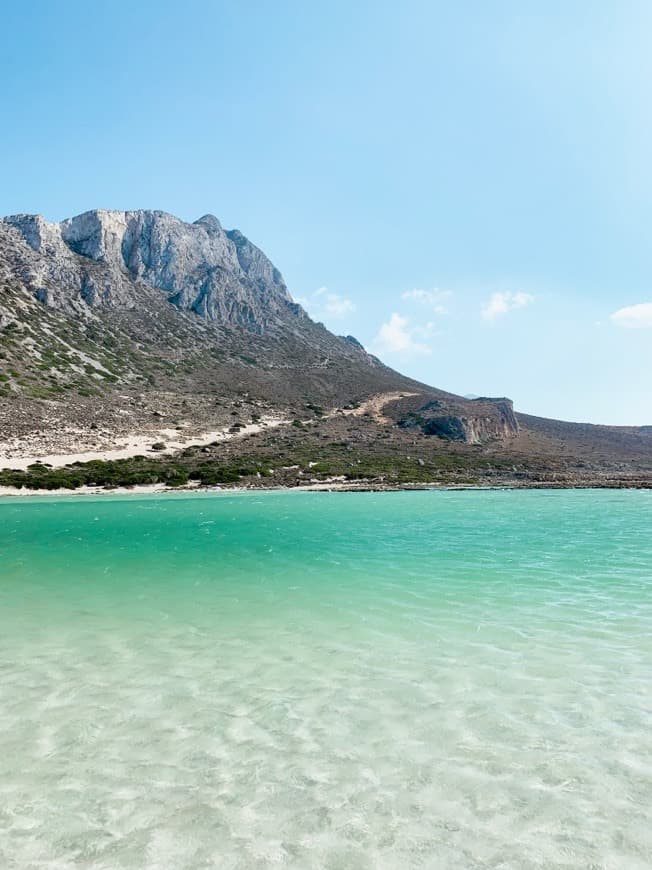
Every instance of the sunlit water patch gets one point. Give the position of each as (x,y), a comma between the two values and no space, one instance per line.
(401,680)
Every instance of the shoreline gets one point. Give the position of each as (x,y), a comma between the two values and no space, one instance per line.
(162,489)
(335,487)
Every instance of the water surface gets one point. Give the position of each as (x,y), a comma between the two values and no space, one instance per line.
(399,680)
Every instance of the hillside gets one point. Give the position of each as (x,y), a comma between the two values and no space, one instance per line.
(120,326)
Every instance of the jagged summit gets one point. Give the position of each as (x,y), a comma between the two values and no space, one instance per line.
(210,222)
(218,275)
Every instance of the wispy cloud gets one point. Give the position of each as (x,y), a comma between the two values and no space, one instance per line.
(634,316)
(338,306)
(398,336)
(501,303)
(434,299)
(322,303)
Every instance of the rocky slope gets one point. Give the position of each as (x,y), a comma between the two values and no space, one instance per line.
(102,258)
(128,304)
(115,323)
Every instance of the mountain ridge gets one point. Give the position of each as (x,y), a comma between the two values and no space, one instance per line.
(112,320)
(199,264)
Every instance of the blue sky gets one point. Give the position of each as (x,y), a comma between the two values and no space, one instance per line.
(466,187)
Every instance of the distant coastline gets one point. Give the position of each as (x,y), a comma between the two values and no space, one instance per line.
(161,489)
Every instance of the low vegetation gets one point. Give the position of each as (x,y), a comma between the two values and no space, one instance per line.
(140,470)
(288,469)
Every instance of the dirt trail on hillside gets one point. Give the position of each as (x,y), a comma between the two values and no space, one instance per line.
(174,440)
(375,405)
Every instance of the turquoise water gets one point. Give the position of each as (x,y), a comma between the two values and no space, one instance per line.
(397,680)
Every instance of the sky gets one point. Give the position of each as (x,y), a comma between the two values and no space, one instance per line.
(465,187)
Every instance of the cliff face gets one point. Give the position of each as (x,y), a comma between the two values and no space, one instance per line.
(96,257)
(473,422)
(494,420)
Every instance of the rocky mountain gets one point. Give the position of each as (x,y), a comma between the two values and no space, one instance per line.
(109,301)
(112,322)
(96,258)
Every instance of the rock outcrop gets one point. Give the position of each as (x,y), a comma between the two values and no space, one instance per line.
(473,422)
(94,259)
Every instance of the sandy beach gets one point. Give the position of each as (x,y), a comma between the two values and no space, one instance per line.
(136,445)
(335,485)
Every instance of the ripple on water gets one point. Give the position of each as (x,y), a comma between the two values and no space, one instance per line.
(456,680)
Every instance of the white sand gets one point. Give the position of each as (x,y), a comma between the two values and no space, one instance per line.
(335,484)
(84,490)
(137,445)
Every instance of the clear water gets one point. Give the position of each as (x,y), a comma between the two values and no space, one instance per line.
(401,680)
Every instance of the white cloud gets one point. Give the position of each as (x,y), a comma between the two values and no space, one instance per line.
(338,306)
(398,336)
(432,298)
(634,316)
(323,303)
(501,303)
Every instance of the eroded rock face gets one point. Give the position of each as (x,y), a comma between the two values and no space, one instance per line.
(95,258)
(493,420)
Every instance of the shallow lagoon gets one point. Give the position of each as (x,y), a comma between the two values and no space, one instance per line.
(346,680)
